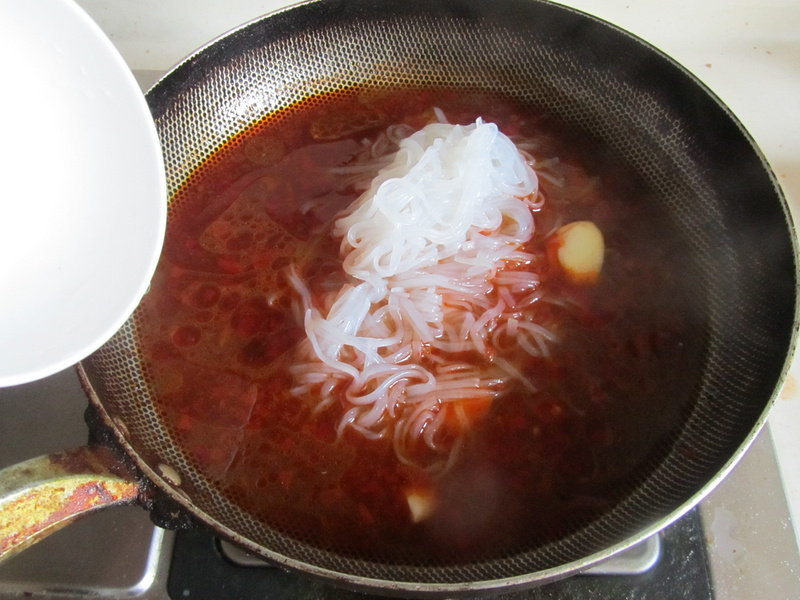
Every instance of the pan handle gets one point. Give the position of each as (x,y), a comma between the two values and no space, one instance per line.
(41,495)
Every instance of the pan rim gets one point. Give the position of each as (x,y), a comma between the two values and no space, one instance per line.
(554,573)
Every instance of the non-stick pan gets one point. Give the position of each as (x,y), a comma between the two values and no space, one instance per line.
(698,163)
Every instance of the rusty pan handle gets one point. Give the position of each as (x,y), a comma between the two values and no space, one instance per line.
(41,495)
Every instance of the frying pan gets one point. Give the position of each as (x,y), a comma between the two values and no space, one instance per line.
(698,163)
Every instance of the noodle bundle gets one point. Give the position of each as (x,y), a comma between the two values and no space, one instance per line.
(438,280)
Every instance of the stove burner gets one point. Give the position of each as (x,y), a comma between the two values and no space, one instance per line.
(203,567)
(633,561)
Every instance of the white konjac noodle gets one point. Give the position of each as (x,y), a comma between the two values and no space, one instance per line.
(433,250)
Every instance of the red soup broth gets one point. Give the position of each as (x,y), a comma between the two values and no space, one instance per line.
(220,324)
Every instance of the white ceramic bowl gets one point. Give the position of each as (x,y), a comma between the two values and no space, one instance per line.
(82,189)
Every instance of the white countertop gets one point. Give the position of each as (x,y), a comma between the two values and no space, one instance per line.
(747,52)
